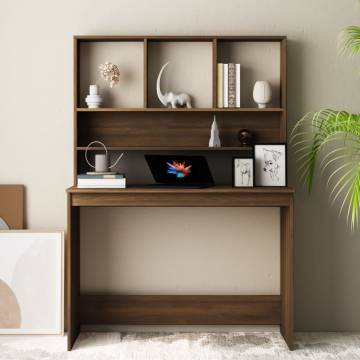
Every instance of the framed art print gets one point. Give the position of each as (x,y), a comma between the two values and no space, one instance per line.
(31,282)
(243,170)
(270,164)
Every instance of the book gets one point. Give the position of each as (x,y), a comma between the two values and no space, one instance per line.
(101,181)
(101,176)
(238,83)
(101,173)
(225,85)
(101,186)
(220,85)
(231,85)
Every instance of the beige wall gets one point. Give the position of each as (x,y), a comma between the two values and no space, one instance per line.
(36,124)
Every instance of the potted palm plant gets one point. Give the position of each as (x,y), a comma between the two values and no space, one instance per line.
(330,139)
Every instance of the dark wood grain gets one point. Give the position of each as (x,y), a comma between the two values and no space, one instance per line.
(283,90)
(214,197)
(169,148)
(173,129)
(73,272)
(182,110)
(214,74)
(261,38)
(145,84)
(287,272)
(180,309)
(178,129)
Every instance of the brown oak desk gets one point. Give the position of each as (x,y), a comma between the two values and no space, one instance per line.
(180,309)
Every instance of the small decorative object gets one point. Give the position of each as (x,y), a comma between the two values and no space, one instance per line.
(246,138)
(243,172)
(214,140)
(94,100)
(262,93)
(110,73)
(270,164)
(170,99)
(3,224)
(31,282)
(101,160)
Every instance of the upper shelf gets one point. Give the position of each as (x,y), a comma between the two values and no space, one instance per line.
(168,148)
(180,110)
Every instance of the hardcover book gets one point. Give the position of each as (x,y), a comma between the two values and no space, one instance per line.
(220,85)
(231,86)
(225,85)
(238,85)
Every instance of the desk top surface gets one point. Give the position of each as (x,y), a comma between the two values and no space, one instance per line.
(209,190)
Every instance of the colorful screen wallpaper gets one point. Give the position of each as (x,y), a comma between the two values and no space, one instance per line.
(178,168)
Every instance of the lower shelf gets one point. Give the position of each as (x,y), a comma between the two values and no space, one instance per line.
(180,309)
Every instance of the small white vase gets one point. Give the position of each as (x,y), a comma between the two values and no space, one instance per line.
(262,93)
(94,100)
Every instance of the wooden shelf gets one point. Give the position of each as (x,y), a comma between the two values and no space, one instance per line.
(210,190)
(165,148)
(192,110)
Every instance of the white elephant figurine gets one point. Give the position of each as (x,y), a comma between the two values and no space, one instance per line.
(170,99)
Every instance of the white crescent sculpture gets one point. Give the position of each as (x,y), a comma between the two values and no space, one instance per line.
(170,99)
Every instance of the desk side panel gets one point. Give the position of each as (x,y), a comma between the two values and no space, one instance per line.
(73,273)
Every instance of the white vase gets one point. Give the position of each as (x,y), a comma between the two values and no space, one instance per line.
(94,100)
(262,93)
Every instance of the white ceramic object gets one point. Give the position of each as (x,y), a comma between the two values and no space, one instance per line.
(262,93)
(170,99)
(214,140)
(94,100)
(101,160)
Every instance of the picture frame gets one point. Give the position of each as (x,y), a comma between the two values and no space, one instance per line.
(270,164)
(243,172)
(32,282)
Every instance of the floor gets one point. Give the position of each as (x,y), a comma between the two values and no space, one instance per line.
(182,346)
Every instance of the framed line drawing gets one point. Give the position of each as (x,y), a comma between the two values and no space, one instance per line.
(270,164)
(31,282)
(243,172)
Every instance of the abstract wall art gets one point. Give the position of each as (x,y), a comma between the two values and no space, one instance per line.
(31,282)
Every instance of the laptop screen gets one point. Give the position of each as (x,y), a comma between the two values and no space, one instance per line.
(177,169)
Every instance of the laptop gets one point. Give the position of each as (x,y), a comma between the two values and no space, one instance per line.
(180,171)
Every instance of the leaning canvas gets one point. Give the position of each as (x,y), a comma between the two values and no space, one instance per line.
(31,282)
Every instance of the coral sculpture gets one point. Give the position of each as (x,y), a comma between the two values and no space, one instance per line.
(110,73)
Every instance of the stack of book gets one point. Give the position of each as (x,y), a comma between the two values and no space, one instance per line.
(228,85)
(101,181)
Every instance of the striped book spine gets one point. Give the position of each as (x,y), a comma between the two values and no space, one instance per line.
(238,83)
(232,86)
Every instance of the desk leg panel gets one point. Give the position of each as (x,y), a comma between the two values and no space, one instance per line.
(73,273)
(287,274)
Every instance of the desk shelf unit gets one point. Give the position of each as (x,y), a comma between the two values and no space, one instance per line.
(133,119)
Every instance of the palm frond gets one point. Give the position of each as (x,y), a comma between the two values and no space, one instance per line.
(349,40)
(331,138)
